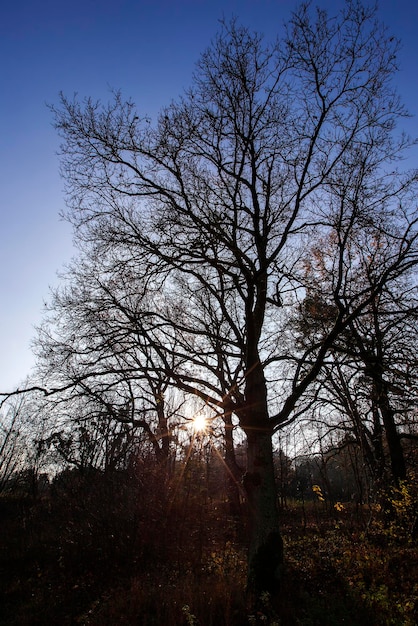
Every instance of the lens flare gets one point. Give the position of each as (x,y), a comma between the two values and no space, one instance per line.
(199,424)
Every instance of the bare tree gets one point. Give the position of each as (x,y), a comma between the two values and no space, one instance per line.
(94,346)
(272,147)
(12,448)
(22,427)
(371,369)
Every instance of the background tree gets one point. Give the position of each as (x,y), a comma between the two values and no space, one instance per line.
(23,425)
(12,448)
(372,366)
(93,344)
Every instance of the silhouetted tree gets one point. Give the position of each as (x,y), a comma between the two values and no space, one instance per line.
(274,146)
(371,371)
(94,345)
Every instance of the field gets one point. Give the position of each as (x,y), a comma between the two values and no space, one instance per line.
(96,551)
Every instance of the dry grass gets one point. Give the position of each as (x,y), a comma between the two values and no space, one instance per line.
(105,555)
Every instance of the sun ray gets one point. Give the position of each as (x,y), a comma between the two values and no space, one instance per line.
(199,423)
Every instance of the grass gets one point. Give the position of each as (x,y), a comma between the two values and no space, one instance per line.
(100,555)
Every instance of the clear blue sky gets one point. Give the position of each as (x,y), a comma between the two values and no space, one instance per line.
(146,48)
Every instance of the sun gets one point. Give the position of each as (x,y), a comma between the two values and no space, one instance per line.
(199,423)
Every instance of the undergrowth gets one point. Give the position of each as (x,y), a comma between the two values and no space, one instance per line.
(98,556)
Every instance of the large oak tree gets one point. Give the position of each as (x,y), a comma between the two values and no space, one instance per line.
(215,206)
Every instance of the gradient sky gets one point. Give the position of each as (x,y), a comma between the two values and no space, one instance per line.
(146,48)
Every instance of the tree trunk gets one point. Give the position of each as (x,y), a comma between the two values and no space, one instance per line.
(396,454)
(265,557)
(234,472)
(377,439)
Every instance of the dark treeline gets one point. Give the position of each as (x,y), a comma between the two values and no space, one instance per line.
(136,545)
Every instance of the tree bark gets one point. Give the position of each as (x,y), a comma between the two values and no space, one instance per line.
(265,557)
(377,439)
(397,459)
(234,472)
